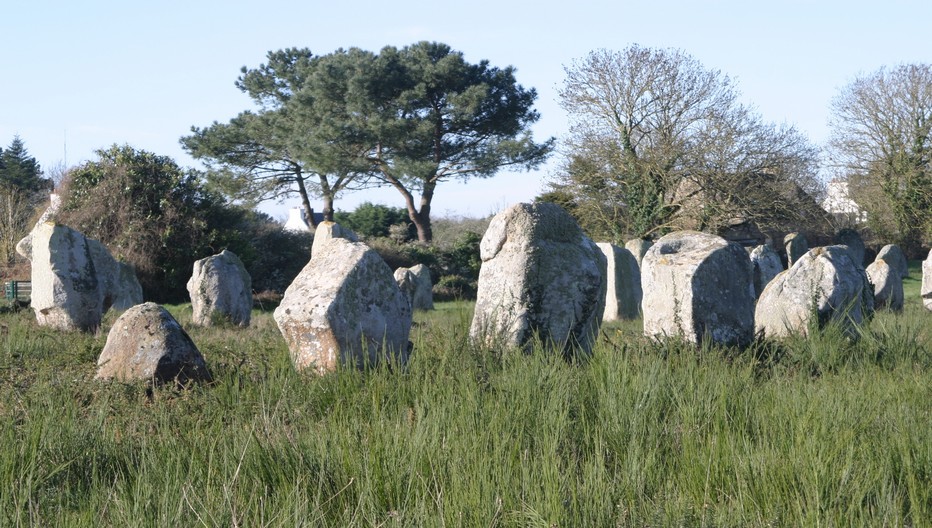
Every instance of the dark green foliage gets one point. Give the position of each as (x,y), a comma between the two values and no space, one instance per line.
(149,212)
(20,170)
(375,220)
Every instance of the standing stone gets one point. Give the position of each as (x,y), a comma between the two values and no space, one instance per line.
(926,291)
(344,308)
(895,258)
(825,284)
(327,231)
(796,246)
(850,238)
(127,292)
(72,278)
(147,343)
(766,264)
(220,287)
(24,246)
(416,284)
(623,287)
(887,285)
(638,247)
(698,286)
(540,277)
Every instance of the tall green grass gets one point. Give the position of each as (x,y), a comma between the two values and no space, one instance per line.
(811,432)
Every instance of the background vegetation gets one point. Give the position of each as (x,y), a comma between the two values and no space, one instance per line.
(810,432)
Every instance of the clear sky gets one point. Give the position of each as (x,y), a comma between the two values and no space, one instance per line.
(83,75)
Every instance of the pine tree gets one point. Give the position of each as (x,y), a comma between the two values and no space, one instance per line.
(20,170)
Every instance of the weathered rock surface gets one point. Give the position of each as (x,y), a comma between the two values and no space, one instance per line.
(796,246)
(147,343)
(823,285)
(327,231)
(887,285)
(895,258)
(767,266)
(540,276)
(638,248)
(698,286)
(127,292)
(623,286)
(72,278)
(416,284)
(24,246)
(855,244)
(220,289)
(926,291)
(344,308)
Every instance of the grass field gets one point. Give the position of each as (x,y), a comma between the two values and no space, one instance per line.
(822,432)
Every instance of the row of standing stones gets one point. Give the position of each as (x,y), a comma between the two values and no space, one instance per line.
(541,281)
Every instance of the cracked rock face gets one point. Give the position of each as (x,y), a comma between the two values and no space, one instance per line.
(147,343)
(344,308)
(698,286)
(825,284)
(541,277)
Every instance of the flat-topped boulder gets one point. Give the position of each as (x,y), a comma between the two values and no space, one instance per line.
(698,286)
(824,285)
(887,285)
(221,290)
(344,308)
(541,277)
(623,285)
(147,343)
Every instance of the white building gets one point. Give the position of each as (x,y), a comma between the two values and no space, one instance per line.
(839,203)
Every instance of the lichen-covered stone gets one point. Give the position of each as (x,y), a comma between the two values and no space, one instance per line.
(127,292)
(823,285)
(540,277)
(416,284)
(623,286)
(327,231)
(895,258)
(638,248)
(344,308)
(220,289)
(147,343)
(698,286)
(767,266)
(887,285)
(796,246)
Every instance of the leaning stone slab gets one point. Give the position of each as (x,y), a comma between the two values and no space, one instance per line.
(220,288)
(887,285)
(823,285)
(767,266)
(895,258)
(147,343)
(540,277)
(852,239)
(698,286)
(926,291)
(623,286)
(327,231)
(796,246)
(344,308)
(72,278)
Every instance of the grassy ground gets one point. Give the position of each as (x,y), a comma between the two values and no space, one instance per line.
(806,433)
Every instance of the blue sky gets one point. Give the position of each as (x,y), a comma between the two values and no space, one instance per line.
(82,75)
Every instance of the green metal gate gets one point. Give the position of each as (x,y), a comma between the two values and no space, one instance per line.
(17,290)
